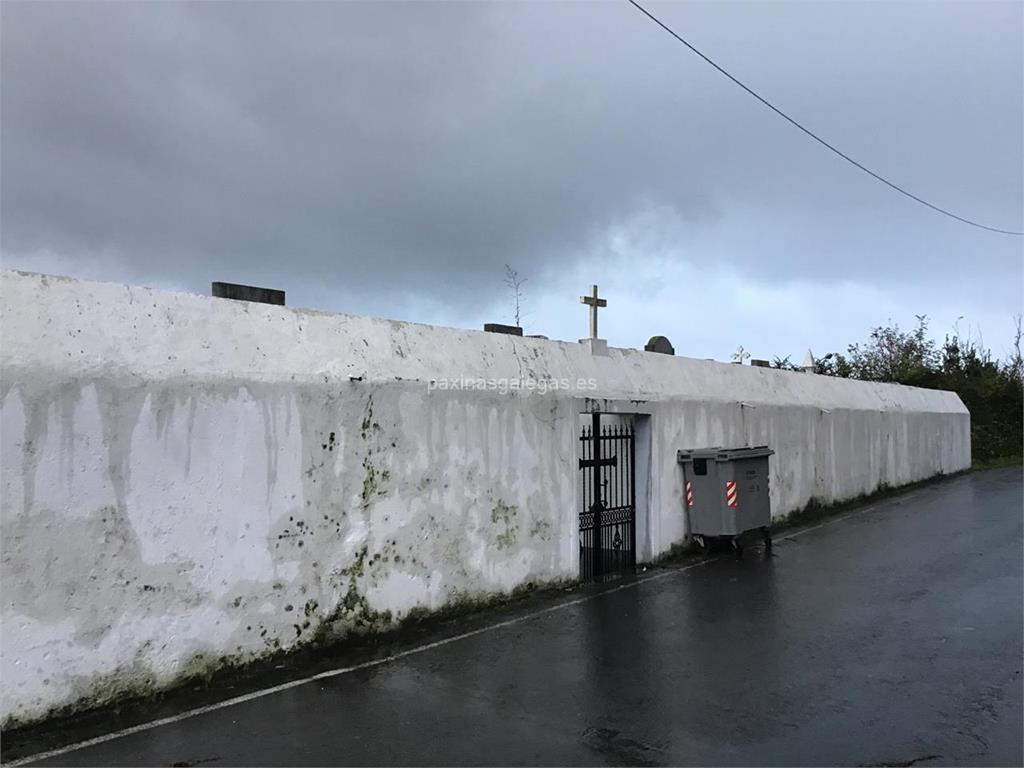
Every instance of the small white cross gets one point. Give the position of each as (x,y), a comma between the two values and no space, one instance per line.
(593,302)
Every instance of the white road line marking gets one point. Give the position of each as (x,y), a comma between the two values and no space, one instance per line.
(339,671)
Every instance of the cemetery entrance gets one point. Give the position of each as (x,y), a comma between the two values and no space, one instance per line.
(608,516)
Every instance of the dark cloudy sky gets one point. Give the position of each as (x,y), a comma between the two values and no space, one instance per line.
(389,159)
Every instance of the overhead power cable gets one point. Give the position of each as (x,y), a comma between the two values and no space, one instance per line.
(815,136)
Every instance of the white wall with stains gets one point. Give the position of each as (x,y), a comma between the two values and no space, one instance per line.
(188,481)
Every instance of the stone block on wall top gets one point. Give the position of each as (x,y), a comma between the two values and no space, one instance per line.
(248,293)
(511,330)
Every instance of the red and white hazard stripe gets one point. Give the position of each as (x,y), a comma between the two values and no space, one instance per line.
(730,493)
(689,494)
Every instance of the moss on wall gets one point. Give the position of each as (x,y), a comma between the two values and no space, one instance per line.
(504,517)
(137,684)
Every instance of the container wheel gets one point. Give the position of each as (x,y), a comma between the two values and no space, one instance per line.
(702,544)
(767,533)
(737,546)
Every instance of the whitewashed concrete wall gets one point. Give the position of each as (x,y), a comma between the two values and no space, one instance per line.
(188,481)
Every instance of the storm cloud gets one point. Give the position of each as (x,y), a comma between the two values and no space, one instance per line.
(390,158)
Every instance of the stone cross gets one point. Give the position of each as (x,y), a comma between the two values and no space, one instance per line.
(593,302)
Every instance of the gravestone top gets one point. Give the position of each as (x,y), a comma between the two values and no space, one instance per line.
(511,330)
(248,293)
(661,345)
(809,362)
(760,363)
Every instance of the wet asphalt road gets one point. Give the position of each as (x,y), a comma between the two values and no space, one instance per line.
(890,636)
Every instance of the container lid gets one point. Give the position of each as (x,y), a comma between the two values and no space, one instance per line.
(723,454)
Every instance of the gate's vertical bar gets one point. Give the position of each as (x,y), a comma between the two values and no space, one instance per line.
(596,436)
(614,554)
(602,497)
(632,494)
(579,516)
(588,478)
(624,500)
(586,456)
(618,465)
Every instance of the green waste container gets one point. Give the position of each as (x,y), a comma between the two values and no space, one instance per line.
(726,494)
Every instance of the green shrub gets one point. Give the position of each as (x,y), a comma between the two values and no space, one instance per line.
(992,390)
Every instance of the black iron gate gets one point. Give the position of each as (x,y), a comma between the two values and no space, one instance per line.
(608,517)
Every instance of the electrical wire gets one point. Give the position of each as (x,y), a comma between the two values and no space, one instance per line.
(815,136)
